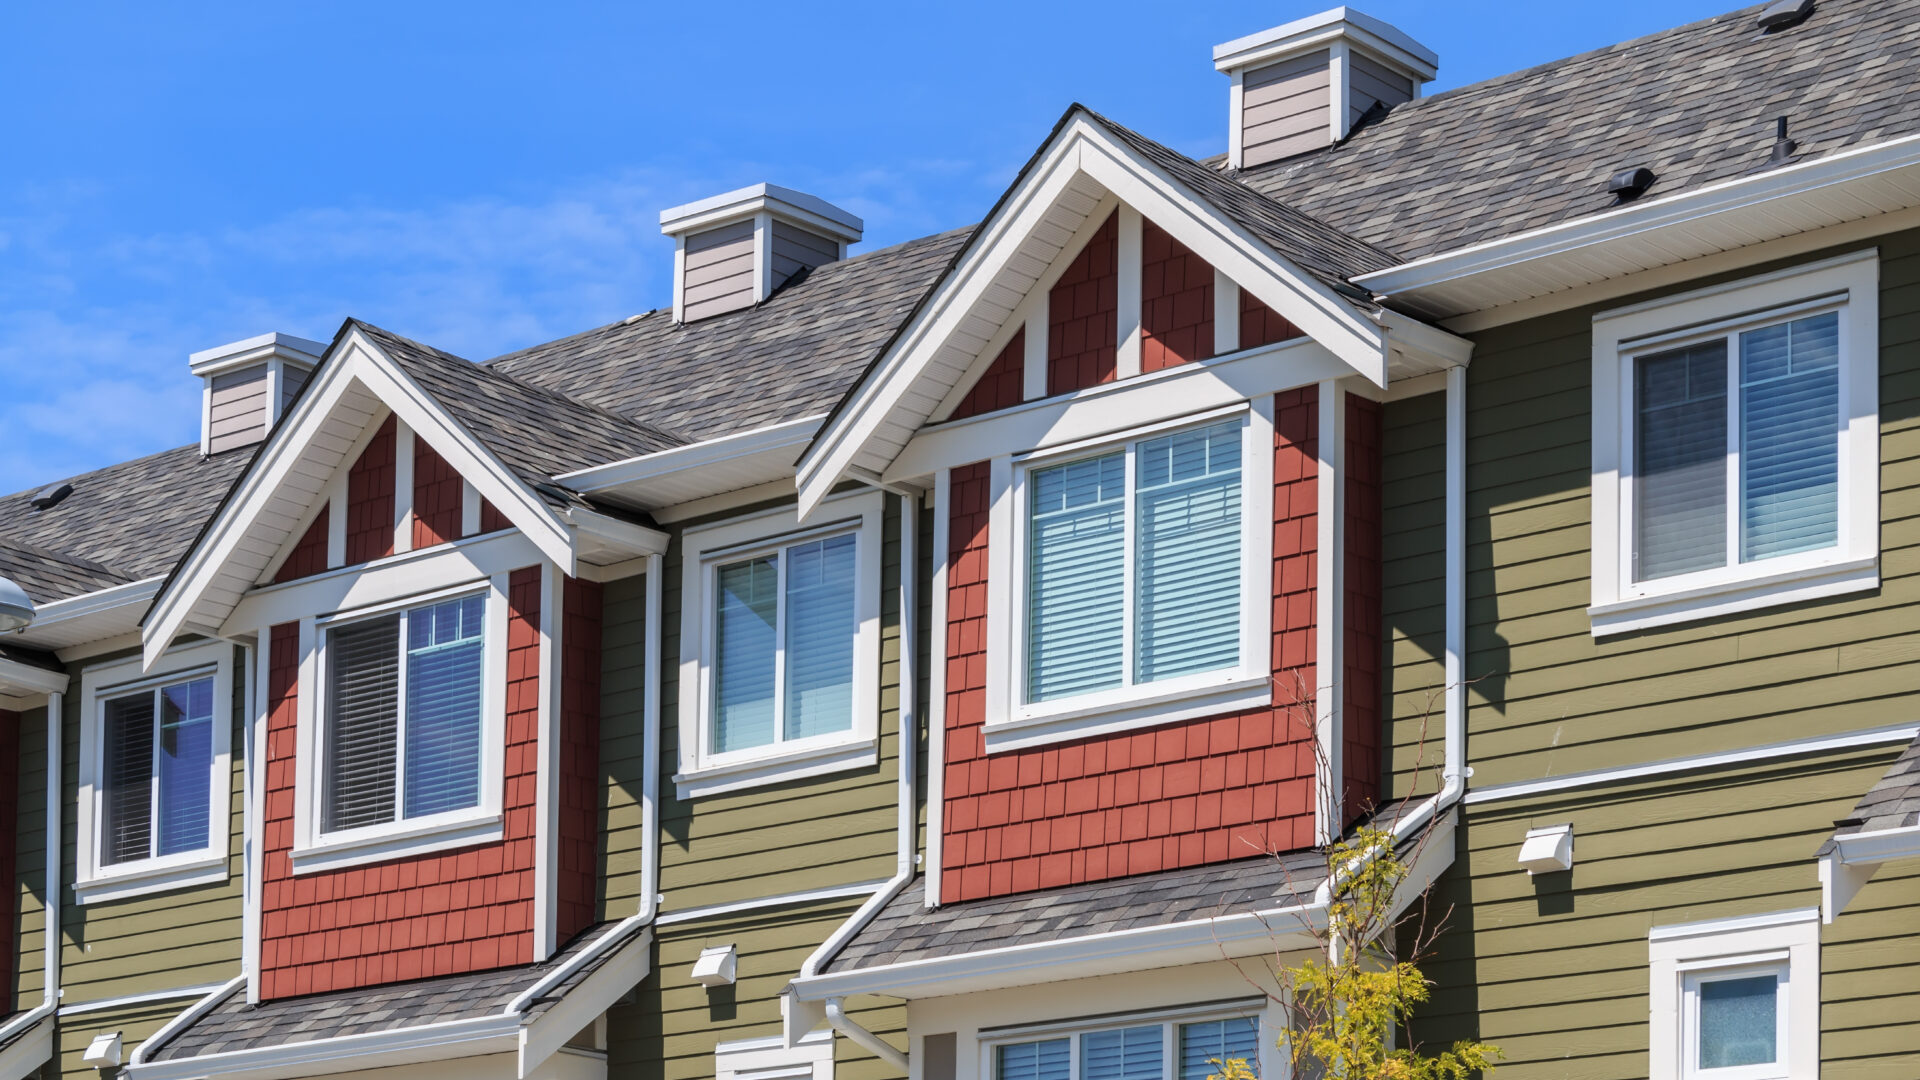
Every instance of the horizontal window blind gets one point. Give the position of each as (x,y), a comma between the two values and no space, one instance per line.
(1206,1046)
(1680,461)
(1051,1059)
(1127,1054)
(363,699)
(746,620)
(1789,437)
(1077,578)
(445,658)
(185,767)
(820,626)
(1188,553)
(126,827)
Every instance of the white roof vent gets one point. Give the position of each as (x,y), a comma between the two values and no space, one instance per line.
(733,250)
(1303,86)
(248,385)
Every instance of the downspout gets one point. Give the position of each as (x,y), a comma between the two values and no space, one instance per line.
(50,903)
(831,1010)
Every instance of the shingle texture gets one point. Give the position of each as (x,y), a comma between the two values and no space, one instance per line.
(235,1025)
(1696,105)
(1893,803)
(906,930)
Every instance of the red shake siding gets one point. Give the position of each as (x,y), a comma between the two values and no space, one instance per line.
(309,555)
(370,499)
(492,520)
(1083,313)
(1002,385)
(439,914)
(437,497)
(9,828)
(1178,795)
(1361,654)
(1261,325)
(1176,302)
(579,787)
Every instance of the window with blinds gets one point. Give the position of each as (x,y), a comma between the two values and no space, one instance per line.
(1138,1052)
(157,759)
(784,624)
(405,695)
(1134,564)
(1737,448)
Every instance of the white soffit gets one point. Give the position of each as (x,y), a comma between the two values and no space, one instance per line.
(698,470)
(1850,185)
(88,617)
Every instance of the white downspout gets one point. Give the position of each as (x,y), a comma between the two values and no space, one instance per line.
(50,901)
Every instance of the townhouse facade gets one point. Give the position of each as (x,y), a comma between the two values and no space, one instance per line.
(954,660)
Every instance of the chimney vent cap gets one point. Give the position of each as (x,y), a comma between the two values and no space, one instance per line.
(1316,31)
(798,206)
(238,354)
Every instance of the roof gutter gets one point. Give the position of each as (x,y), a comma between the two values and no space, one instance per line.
(1850,861)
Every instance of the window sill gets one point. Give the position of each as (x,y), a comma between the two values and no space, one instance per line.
(715,779)
(398,842)
(1730,598)
(144,881)
(1142,710)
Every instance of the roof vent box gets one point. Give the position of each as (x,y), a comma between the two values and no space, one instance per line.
(734,250)
(1784,15)
(247,385)
(1304,85)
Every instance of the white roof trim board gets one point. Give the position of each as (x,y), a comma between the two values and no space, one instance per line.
(1011,251)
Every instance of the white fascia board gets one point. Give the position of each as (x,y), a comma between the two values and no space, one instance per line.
(595,994)
(798,206)
(631,480)
(254,350)
(131,599)
(18,679)
(1193,942)
(491,1034)
(1083,147)
(1687,208)
(26,1053)
(1302,34)
(1880,845)
(356,360)
(609,533)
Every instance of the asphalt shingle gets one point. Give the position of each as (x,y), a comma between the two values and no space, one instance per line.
(1891,803)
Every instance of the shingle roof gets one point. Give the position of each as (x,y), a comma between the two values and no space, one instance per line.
(49,575)
(235,1025)
(907,930)
(1892,803)
(1695,104)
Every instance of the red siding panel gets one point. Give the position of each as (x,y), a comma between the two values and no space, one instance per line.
(309,555)
(491,519)
(1183,794)
(1361,652)
(1083,312)
(439,914)
(1176,302)
(437,497)
(579,787)
(9,828)
(1261,325)
(1002,385)
(370,499)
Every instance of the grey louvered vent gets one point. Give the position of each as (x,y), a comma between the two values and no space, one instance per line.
(363,707)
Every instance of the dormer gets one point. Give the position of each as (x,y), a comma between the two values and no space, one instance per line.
(247,385)
(1305,85)
(732,251)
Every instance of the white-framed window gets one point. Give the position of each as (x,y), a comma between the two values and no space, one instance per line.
(1131,579)
(1736,446)
(155,773)
(771,1059)
(1185,1046)
(403,739)
(780,646)
(1736,999)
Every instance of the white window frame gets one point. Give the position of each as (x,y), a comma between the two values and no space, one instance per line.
(703,551)
(1011,721)
(1680,957)
(94,881)
(316,849)
(1268,1063)
(811,1058)
(1849,285)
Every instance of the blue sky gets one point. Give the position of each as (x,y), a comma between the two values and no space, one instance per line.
(486,176)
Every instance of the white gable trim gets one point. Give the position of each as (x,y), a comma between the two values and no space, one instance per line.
(293,471)
(1083,165)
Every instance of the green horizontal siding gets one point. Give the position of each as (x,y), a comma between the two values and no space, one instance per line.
(30,863)
(134,1023)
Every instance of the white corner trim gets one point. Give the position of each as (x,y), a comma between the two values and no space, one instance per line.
(937,641)
(402,486)
(1128,271)
(546,847)
(1329,671)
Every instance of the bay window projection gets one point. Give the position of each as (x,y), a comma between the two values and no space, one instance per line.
(784,625)
(404,715)
(157,772)
(1159,1051)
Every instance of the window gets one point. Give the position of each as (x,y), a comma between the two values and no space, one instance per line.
(1168,1050)
(781,679)
(1737,999)
(1135,580)
(155,777)
(1736,447)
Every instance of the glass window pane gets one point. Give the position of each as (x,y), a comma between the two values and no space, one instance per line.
(1737,1021)
(1076,578)
(1048,1060)
(1790,438)
(820,627)
(746,611)
(1127,1054)
(186,766)
(1205,1047)
(1680,461)
(363,708)
(446,655)
(126,827)
(1188,557)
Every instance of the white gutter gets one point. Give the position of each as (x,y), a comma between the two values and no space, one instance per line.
(801,1017)
(50,908)
(180,1023)
(1854,858)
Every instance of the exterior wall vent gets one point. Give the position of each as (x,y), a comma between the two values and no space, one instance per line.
(247,385)
(1304,86)
(732,251)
